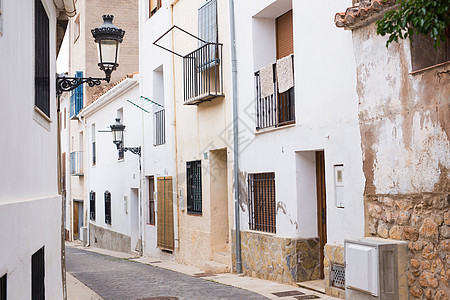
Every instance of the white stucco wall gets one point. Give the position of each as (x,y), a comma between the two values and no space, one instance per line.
(156,65)
(30,207)
(326,115)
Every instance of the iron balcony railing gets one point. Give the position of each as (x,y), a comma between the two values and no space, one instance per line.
(203,74)
(76,163)
(277,109)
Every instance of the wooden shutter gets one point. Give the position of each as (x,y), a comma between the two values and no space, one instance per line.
(285,35)
(165,214)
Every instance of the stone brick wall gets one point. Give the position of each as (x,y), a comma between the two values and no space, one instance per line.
(333,255)
(279,259)
(424,221)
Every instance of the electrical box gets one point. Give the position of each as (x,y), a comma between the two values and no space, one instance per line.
(375,269)
(181,195)
(339,185)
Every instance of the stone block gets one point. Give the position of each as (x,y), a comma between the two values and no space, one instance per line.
(416,291)
(427,279)
(429,229)
(410,233)
(402,217)
(396,232)
(429,252)
(445,231)
(441,295)
(383,231)
(338,255)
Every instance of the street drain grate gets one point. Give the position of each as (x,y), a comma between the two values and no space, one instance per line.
(288,293)
(304,297)
(205,274)
(160,298)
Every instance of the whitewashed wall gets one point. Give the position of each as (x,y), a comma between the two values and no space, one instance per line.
(156,69)
(30,207)
(326,116)
(110,174)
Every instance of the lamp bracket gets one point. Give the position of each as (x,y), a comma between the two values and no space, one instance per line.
(66,84)
(134,150)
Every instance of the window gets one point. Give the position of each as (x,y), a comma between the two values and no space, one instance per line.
(154,5)
(38,275)
(94,152)
(423,54)
(76,29)
(151,201)
(76,99)
(3,287)
(194,186)
(92,205)
(261,195)
(42,59)
(160,128)
(207,22)
(108,207)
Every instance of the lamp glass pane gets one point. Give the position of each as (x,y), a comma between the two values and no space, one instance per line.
(117,136)
(108,51)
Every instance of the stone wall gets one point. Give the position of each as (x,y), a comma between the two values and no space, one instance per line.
(279,259)
(334,255)
(108,239)
(424,221)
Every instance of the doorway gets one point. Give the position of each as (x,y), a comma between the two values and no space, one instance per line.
(77,218)
(321,205)
(219,202)
(134,218)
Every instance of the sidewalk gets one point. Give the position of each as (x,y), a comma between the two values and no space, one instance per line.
(262,287)
(76,290)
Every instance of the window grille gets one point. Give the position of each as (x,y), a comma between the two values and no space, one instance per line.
(160,128)
(338,276)
(108,207)
(151,202)
(3,287)
(42,59)
(92,205)
(94,154)
(261,195)
(194,186)
(76,99)
(38,275)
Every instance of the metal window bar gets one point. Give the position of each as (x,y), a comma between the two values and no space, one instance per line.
(203,73)
(160,128)
(76,163)
(94,154)
(275,110)
(261,195)
(108,207)
(42,54)
(194,187)
(92,205)
(38,275)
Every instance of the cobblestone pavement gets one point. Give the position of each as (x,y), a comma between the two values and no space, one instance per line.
(114,278)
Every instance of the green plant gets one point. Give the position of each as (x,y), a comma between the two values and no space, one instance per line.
(426,17)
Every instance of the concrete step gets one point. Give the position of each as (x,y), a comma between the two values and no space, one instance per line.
(222,257)
(214,267)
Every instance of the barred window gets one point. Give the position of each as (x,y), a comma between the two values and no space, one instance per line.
(194,186)
(159,135)
(108,207)
(207,22)
(3,287)
(38,275)
(261,195)
(92,205)
(42,59)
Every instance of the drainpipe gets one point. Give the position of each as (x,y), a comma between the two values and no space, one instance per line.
(235,139)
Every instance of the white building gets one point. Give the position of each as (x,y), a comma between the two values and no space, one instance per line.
(30,205)
(300,147)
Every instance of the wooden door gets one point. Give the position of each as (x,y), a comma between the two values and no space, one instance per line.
(321,205)
(75,221)
(165,214)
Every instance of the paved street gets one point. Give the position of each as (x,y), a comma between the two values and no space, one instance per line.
(114,278)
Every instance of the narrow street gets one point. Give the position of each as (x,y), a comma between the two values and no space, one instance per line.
(114,278)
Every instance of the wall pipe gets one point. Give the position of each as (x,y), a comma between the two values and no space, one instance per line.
(235,139)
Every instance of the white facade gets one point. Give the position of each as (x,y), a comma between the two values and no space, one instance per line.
(326,117)
(30,207)
(156,83)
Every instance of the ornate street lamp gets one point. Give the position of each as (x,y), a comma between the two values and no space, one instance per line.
(108,38)
(117,130)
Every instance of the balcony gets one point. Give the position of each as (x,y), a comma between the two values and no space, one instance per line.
(76,163)
(203,74)
(277,109)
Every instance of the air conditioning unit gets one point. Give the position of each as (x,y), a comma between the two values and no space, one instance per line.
(376,269)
